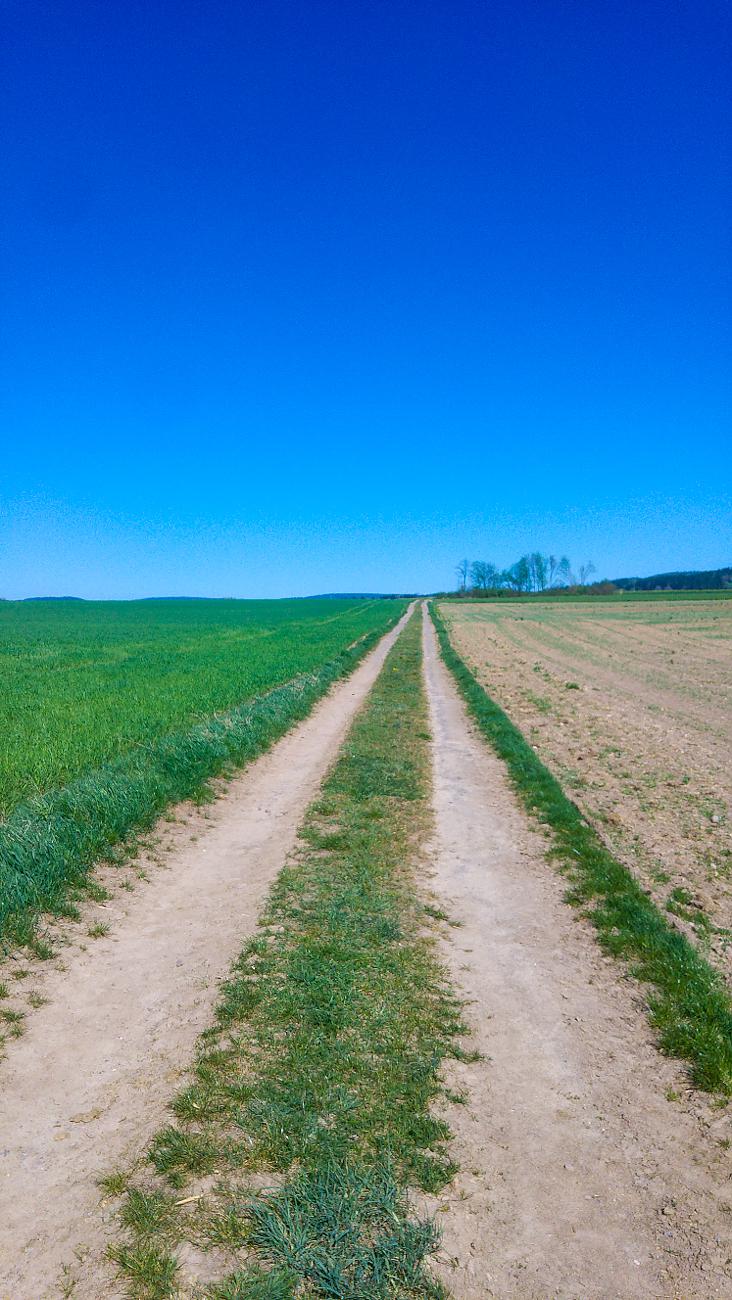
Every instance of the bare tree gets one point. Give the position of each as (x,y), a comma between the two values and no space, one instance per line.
(538,571)
(477,575)
(564,573)
(533,572)
(483,575)
(558,571)
(519,575)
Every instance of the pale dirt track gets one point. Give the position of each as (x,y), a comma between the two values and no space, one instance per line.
(87,1085)
(579,1179)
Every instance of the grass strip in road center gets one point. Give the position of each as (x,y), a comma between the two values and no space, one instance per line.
(316,1082)
(689,1007)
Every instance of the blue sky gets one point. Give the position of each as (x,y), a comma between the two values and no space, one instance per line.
(319,296)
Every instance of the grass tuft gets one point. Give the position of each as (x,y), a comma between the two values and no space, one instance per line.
(150,1273)
(346,1232)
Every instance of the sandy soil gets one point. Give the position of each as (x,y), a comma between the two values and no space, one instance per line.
(87,1085)
(631,707)
(580,1179)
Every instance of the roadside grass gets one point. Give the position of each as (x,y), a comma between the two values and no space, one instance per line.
(49,844)
(689,1005)
(309,1115)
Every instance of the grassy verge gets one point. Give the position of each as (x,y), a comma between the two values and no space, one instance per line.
(48,845)
(689,1005)
(309,1114)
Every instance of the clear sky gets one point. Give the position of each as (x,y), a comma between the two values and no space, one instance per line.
(322,296)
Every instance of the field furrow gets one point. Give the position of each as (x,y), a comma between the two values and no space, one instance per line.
(648,766)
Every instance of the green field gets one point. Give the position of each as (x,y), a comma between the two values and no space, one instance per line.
(85,682)
(111,710)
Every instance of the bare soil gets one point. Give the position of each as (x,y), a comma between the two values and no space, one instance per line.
(631,707)
(589,1171)
(86,1086)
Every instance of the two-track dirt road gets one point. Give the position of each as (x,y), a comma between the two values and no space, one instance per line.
(579,1179)
(87,1085)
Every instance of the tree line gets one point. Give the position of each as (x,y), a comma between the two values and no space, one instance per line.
(692,580)
(532,572)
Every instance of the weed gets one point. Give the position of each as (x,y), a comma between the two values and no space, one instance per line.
(98,931)
(67,1283)
(115,1183)
(151,1273)
(229,1226)
(540,702)
(148,1214)
(40,948)
(95,891)
(436,913)
(681,903)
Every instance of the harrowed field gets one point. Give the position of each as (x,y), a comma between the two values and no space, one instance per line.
(630,706)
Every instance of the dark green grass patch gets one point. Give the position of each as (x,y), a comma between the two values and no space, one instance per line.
(322,1067)
(48,844)
(689,1005)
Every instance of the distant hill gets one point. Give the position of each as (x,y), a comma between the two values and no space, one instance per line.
(365,595)
(691,580)
(331,595)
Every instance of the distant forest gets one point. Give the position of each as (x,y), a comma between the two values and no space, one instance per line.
(694,580)
(536,572)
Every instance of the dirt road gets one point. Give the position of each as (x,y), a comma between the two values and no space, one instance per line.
(87,1085)
(579,1180)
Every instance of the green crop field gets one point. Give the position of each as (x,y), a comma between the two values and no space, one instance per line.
(110,710)
(84,682)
